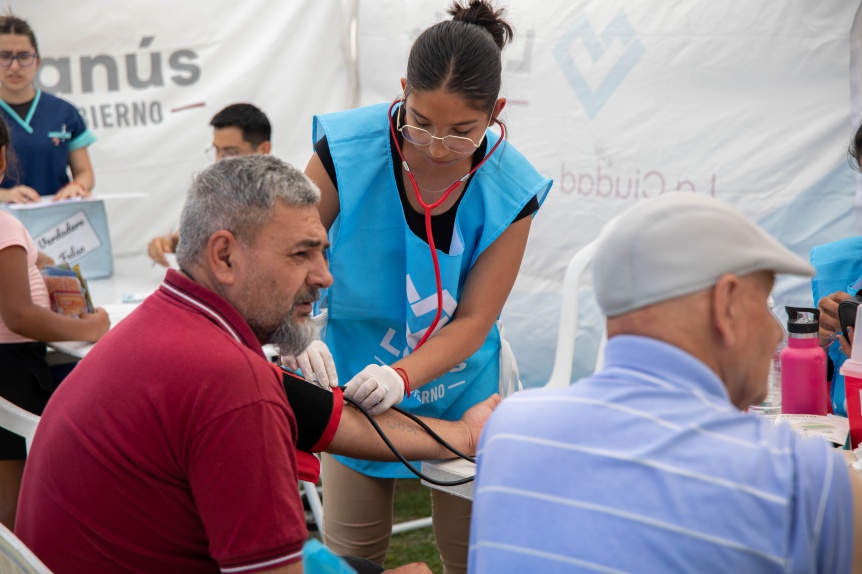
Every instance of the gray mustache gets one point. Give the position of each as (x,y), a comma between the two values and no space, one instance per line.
(309,297)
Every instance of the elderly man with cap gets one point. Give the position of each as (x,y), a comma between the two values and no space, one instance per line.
(650,465)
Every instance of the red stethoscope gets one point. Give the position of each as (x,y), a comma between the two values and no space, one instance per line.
(427,207)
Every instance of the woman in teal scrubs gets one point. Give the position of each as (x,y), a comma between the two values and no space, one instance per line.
(49,136)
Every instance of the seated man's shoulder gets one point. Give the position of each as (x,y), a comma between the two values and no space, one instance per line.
(154,351)
(526,408)
(528,399)
(576,395)
(159,330)
(241,369)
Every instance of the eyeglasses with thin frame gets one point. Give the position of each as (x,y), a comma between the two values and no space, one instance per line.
(423,138)
(214,154)
(26,59)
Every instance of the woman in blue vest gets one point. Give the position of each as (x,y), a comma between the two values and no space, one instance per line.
(439,148)
(839,277)
(49,136)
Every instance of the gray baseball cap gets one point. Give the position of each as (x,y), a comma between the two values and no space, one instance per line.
(677,244)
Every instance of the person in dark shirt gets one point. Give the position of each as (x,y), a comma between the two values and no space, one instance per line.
(238,130)
(49,136)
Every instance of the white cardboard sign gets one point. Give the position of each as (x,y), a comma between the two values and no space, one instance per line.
(70,239)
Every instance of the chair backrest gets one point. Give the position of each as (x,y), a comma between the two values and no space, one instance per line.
(19,421)
(561,375)
(16,558)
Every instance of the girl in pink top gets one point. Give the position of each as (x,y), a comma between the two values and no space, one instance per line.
(25,320)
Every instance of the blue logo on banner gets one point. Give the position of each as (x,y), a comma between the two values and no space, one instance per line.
(596,45)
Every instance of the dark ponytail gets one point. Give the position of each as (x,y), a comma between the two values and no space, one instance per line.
(481,13)
(462,55)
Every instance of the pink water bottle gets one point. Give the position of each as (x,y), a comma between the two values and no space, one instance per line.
(803,365)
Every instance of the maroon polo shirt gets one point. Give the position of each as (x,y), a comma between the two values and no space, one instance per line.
(172,447)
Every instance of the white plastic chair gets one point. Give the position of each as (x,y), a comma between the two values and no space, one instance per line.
(312,495)
(19,421)
(561,375)
(16,558)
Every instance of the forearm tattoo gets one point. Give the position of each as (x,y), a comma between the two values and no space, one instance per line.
(401,426)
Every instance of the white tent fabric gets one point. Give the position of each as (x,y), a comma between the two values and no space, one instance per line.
(617,101)
(149,76)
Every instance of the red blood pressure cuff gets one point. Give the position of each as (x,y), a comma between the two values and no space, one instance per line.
(317,412)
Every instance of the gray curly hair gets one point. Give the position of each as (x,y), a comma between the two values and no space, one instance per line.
(238,194)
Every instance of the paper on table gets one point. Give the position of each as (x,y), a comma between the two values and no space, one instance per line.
(43,202)
(48,200)
(830,427)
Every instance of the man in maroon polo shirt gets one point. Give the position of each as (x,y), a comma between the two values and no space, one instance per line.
(175,446)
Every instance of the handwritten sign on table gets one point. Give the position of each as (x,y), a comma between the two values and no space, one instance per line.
(70,239)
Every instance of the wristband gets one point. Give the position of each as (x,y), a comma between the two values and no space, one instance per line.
(403,374)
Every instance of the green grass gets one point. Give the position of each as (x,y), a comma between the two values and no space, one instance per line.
(412,501)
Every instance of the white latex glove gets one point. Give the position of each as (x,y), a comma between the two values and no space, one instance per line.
(316,364)
(376,388)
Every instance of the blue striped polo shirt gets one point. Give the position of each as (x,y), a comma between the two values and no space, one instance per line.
(646,466)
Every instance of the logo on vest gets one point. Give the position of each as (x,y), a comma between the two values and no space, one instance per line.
(422,306)
(428,305)
(597,67)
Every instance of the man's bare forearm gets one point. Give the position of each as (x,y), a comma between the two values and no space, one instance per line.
(357,438)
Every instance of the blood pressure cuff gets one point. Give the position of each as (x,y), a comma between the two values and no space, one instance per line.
(317,412)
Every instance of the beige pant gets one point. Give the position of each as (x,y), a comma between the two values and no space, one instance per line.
(357,516)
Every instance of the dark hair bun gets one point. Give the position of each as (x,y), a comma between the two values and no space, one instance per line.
(481,13)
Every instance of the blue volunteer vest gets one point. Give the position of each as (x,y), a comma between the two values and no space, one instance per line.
(839,268)
(384,294)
